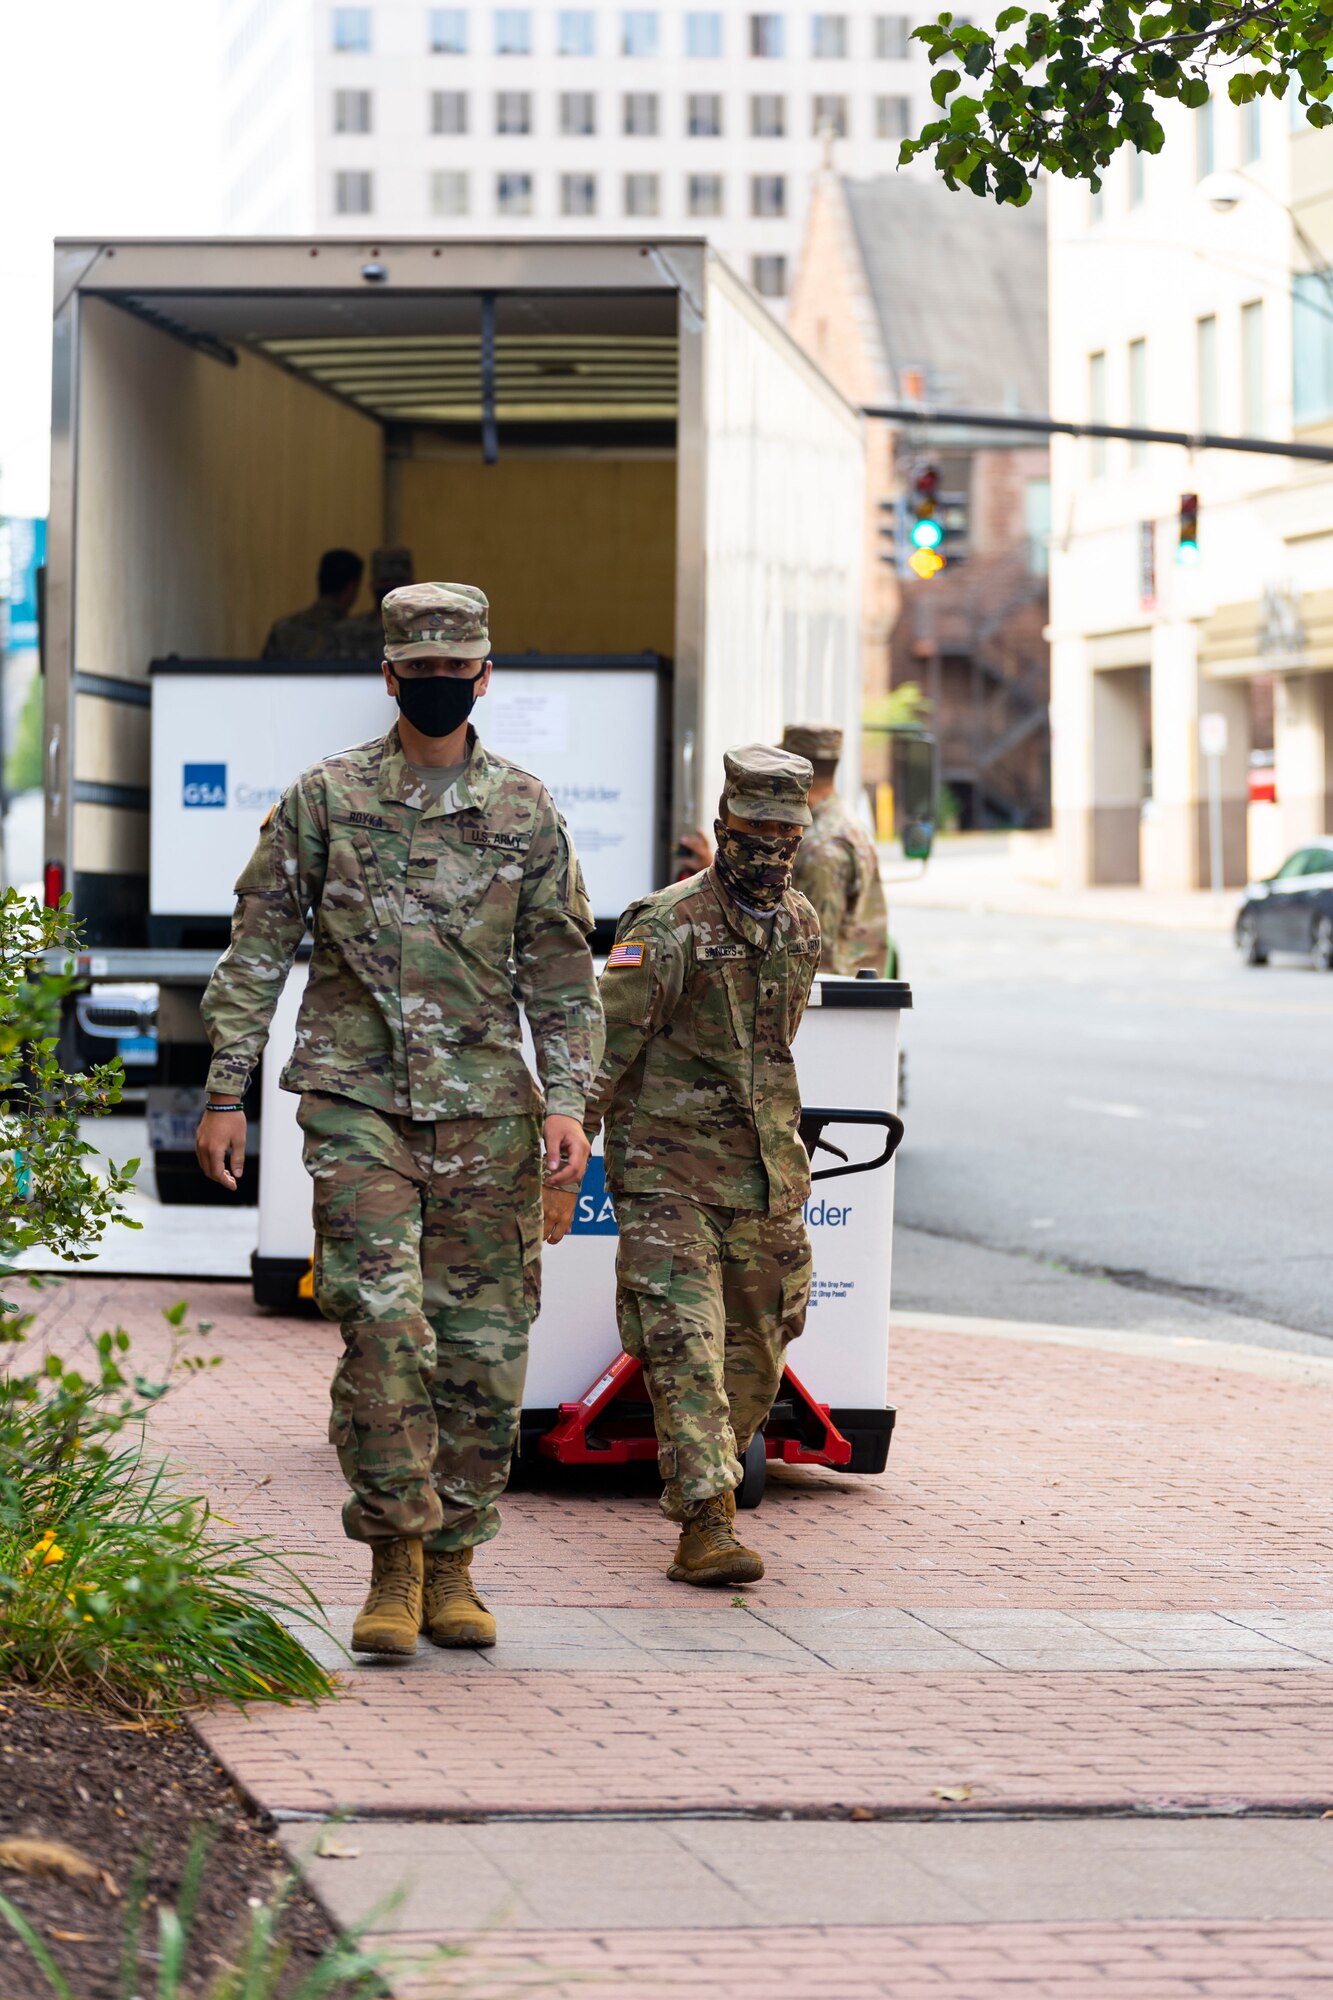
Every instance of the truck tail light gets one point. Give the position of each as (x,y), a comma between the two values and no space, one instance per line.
(53,884)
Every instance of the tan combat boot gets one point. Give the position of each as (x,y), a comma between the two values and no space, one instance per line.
(454,1615)
(708,1551)
(390,1618)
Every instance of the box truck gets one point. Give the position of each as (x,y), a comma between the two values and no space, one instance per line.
(659,492)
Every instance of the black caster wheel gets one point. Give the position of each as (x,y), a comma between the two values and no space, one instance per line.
(754,1473)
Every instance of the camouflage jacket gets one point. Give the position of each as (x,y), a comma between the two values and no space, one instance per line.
(697,1087)
(305,635)
(429,918)
(838,870)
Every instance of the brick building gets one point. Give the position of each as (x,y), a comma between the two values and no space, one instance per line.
(906,293)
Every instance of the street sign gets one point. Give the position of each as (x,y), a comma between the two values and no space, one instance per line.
(1213,735)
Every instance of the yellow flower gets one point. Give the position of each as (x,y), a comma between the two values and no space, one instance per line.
(46,1550)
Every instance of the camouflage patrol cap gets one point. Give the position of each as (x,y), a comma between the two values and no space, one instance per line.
(764,783)
(445,620)
(392,566)
(821,742)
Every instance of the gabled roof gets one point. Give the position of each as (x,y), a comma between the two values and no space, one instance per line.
(959,287)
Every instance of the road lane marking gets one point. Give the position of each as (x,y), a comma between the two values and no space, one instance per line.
(1105,1109)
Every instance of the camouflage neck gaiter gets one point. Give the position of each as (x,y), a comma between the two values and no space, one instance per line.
(755,868)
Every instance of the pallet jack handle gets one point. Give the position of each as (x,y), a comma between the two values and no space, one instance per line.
(815,1117)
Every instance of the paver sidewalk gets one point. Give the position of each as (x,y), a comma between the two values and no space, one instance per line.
(1090,1583)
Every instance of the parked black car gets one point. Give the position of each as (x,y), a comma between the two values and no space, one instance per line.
(1292,910)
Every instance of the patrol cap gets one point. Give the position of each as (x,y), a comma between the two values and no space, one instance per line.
(392,566)
(445,620)
(821,742)
(764,783)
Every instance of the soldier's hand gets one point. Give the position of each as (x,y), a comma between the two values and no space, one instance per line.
(558,1205)
(567,1151)
(219,1146)
(695,849)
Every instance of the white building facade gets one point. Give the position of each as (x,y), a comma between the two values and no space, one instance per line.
(1189,296)
(403,117)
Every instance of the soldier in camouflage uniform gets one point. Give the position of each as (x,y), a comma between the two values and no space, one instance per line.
(362,638)
(441,881)
(837,867)
(311,634)
(703,993)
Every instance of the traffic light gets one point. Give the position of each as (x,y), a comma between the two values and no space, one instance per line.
(1187,549)
(927,530)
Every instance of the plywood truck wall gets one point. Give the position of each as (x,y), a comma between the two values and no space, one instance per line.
(577,554)
(206,495)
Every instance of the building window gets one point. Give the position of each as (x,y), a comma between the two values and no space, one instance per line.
(448,112)
(351,110)
(893,115)
(638,33)
(352,192)
(576,33)
(1138,398)
(828,37)
(1097,412)
(703,114)
(1252,415)
(1251,131)
(351,31)
(768,194)
(1136,178)
(513,113)
(768,117)
(891,32)
(642,195)
(766,38)
(448,31)
(829,116)
(513,32)
(639,114)
(1206,348)
(448,192)
(578,194)
(703,36)
(1311,349)
(703,194)
(768,275)
(1205,148)
(513,194)
(1037,522)
(578,114)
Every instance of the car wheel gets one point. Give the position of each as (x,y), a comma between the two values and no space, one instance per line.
(1322,945)
(1247,942)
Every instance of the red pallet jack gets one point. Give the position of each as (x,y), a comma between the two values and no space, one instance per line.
(612,1422)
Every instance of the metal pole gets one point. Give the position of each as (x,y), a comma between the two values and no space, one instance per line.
(1002,420)
(1215,823)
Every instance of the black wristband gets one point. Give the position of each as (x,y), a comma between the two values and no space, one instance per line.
(224,1107)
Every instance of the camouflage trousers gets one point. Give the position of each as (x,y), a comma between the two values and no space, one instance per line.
(428,1255)
(707,1299)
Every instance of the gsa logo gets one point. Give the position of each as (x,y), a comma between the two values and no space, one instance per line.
(204,785)
(593,1213)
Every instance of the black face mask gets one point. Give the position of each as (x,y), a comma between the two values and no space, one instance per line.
(438,704)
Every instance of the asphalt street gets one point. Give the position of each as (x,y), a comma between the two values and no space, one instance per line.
(1116,1126)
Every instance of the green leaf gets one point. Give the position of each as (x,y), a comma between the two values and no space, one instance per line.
(943,83)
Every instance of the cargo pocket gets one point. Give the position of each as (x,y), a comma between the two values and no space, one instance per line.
(341,1413)
(335,1272)
(530,1246)
(795,1301)
(643,1293)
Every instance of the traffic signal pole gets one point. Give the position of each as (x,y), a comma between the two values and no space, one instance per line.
(1003,420)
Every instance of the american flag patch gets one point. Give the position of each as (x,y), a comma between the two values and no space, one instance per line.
(630,953)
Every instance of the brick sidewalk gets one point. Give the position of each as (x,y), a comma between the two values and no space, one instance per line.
(1023,1475)
(1185,1961)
